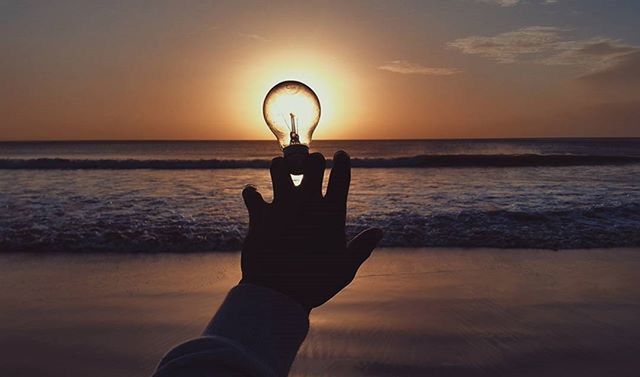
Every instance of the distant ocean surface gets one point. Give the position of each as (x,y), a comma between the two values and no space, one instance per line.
(185,196)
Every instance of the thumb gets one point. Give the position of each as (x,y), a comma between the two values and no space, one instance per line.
(361,246)
(253,200)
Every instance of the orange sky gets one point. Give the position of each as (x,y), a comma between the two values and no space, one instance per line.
(438,69)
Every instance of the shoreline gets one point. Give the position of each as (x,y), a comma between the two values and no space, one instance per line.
(382,248)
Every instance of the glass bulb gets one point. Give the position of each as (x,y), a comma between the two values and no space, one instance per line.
(292,112)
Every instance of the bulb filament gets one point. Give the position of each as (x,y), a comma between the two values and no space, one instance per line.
(295,139)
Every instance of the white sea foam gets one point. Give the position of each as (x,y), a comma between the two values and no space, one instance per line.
(201,210)
(420,161)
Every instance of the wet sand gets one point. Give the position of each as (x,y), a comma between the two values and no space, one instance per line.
(428,312)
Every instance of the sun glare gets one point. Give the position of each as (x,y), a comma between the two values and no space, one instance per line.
(327,77)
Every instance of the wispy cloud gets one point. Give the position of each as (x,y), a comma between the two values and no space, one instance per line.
(510,46)
(550,46)
(620,72)
(408,68)
(502,3)
(594,53)
(511,3)
(255,37)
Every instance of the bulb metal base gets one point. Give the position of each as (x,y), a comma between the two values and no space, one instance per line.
(294,156)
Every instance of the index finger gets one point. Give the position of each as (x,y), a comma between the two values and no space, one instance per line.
(340,178)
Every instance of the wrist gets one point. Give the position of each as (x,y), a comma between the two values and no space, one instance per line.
(273,287)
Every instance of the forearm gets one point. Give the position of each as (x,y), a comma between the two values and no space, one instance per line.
(255,332)
(267,323)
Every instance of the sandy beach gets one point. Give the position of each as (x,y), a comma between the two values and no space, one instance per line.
(410,312)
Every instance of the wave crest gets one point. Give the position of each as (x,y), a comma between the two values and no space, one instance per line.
(420,161)
(613,226)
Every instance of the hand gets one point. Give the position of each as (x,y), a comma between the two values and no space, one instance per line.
(297,244)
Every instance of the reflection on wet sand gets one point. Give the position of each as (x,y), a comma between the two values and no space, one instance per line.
(436,312)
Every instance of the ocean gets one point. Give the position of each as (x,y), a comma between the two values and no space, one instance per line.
(184,196)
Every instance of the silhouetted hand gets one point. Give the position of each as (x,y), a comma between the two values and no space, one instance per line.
(297,244)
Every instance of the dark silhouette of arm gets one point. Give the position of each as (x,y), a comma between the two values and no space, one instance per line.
(295,258)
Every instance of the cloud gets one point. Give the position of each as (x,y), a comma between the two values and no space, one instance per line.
(552,46)
(510,46)
(502,3)
(255,37)
(409,68)
(623,72)
(596,54)
(511,3)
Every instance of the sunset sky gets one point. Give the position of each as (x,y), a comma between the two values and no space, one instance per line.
(75,70)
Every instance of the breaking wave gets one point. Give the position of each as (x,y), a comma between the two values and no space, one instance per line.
(613,226)
(420,161)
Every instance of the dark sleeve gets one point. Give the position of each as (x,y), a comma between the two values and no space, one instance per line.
(256,332)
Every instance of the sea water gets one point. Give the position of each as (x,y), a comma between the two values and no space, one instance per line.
(185,196)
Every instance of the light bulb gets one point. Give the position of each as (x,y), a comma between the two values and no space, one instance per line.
(292,112)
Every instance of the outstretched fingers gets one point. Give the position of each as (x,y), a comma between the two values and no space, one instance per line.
(340,178)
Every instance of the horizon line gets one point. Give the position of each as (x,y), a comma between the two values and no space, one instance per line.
(346,140)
